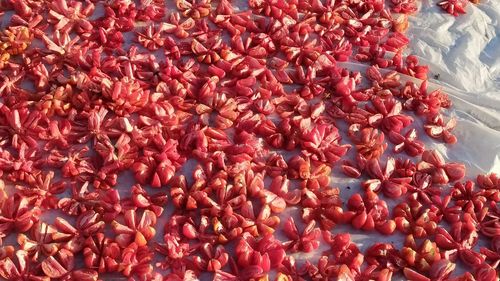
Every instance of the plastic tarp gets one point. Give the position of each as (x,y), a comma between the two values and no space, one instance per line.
(463,55)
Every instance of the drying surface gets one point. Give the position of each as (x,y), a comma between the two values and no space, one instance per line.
(463,55)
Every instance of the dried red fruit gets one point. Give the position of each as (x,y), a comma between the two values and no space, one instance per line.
(19,266)
(306,241)
(21,126)
(178,28)
(368,141)
(157,167)
(454,7)
(322,141)
(17,215)
(262,224)
(211,259)
(384,256)
(176,252)
(265,253)
(59,265)
(387,115)
(70,237)
(368,213)
(343,250)
(384,181)
(413,218)
(422,256)
(408,143)
(194,9)
(137,229)
(442,172)
(323,205)
(400,23)
(404,6)
(42,192)
(460,241)
(492,255)
(136,260)
(311,176)
(489,181)
(438,129)
(41,242)
(141,199)
(14,41)
(421,188)
(239,130)
(101,253)
(85,275)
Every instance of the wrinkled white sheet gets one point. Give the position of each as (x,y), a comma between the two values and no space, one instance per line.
(463,55)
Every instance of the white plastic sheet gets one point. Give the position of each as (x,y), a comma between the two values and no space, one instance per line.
(463,55)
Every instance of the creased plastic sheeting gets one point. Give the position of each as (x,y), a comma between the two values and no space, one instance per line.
(464,51)
(463,55)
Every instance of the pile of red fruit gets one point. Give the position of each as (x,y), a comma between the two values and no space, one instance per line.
(228,116)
